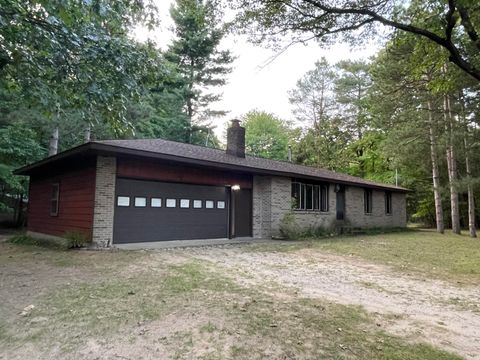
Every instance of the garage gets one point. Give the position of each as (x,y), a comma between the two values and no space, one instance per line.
(160,211)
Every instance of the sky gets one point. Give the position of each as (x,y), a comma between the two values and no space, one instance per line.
(252,84)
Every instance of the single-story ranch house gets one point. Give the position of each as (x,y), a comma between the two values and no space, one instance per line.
(123,191)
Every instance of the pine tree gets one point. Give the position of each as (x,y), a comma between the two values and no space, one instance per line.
(195,53)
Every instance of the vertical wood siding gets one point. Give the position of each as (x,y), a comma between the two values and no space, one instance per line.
(76,201)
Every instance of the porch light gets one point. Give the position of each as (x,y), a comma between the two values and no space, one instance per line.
(235,187)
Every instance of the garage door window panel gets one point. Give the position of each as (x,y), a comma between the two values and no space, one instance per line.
(209,204)
(123,201)
(140,201)
(171,203)
(197,204)
(185,203)
(156,202)
(220,204)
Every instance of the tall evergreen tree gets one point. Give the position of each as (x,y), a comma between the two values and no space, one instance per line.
(196,53)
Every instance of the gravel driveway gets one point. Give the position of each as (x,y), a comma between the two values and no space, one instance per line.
(431,311)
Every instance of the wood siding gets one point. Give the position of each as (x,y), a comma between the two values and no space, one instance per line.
(170,172)
(76,200)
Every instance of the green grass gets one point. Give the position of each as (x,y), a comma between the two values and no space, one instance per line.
(23,239)
(448,256)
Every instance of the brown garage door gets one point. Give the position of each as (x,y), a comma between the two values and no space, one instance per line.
(157,211)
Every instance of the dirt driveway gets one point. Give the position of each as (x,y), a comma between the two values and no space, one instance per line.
(432,311)
(225,302)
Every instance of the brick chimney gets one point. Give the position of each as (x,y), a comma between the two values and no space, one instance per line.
(236,139)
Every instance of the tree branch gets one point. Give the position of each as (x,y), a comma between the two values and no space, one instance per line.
(446,43)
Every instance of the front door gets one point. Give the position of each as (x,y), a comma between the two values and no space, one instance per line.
(241,213)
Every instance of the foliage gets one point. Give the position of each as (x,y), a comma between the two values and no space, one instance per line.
(76,239)
(451,27)
(291,230)
(266,135)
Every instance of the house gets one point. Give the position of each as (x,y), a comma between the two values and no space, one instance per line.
(122,191)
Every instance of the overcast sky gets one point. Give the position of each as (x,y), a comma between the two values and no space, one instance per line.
(252,85)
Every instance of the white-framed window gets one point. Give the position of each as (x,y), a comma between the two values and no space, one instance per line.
(123,201)
(220,204)
(185,203)
(197,204)
(209,204)
(171,203)
(155,202)
(140,201)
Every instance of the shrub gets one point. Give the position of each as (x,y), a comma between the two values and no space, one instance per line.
(76,239)
(290,229)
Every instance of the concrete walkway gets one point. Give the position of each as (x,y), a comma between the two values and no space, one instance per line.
(189,243)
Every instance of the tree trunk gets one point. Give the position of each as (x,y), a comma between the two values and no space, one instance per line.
(451,165)
(87,134)
(53,148)
(435,173)
(471,199)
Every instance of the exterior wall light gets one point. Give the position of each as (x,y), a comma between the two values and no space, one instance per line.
(235,187)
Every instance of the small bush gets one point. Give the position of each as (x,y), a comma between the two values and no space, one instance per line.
(76,239)
(289,229)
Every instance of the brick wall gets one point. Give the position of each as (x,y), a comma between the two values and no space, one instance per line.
(272,200)
(262,206)
(355,213)
(104,201)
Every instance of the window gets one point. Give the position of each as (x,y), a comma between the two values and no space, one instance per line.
(209,204)
(140,201)
(367,201)
(306,196)
(171,203)
(220,204)
(54,199)
(123,201)
(388,203)
(197,204)
(156,202)
(184,203)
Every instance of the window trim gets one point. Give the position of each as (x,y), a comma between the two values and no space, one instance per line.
(55,199)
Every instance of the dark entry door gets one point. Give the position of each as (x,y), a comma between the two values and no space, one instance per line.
(241,213)
(158,211)
(341,203)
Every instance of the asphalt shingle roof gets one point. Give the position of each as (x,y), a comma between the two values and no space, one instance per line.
(188,151)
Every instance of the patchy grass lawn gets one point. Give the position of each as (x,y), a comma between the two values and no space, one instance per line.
(170,305)
(448,256)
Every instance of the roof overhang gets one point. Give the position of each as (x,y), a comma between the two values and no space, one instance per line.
(93,148)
